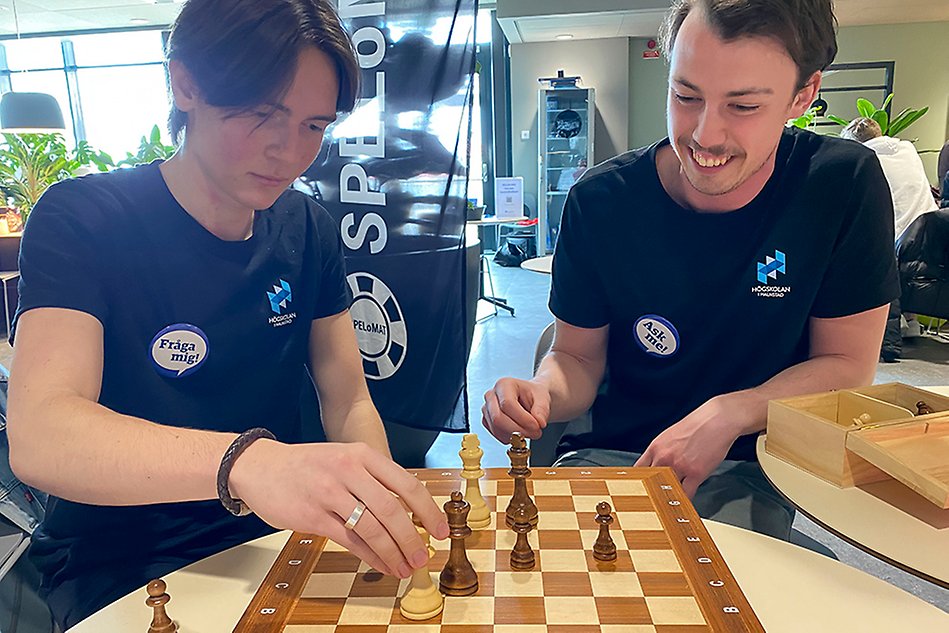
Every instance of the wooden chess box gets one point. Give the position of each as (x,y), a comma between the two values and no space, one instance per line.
(860,436)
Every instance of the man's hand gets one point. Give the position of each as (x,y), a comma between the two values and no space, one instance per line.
(697,444)
(516,405)
(315,487)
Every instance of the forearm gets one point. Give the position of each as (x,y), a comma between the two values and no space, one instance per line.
(822,373)
(81,451)
(572,382)
(359,422)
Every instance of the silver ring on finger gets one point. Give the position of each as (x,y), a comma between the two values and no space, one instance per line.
(355,516)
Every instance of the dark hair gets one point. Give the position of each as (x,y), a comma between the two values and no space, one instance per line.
(242,53)
(861,130)
(806,28)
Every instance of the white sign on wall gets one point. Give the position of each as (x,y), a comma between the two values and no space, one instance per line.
(508,197)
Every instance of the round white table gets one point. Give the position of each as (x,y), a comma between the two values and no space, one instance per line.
(790,588)
(539,264)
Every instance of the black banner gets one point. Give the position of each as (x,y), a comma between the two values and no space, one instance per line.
(394,175)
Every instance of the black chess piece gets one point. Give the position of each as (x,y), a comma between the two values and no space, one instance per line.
(604,549)
(458,578)
(520,454)
(522,556)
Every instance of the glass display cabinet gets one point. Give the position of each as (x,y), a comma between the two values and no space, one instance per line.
(565,120)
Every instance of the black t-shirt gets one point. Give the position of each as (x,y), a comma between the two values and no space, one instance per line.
(701,304)
(119,247)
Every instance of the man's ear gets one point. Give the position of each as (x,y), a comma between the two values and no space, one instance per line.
(183,89)
(806,95)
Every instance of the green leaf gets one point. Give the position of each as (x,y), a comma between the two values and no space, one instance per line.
(908,120)
(156,134)
(865,108)
(882,119)
(886,101)
(836,119)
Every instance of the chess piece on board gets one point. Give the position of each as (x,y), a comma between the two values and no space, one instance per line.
(458,578)
(604,549)
(157,598)
(922,408)
(522,556)
(471,453)
(519,454)
(422,601)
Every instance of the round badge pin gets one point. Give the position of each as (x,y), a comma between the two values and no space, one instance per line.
(656,336)
(179,350)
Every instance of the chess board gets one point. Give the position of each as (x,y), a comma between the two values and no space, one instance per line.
(668,577)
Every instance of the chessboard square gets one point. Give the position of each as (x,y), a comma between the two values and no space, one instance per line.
(506,487)
(559,539)
(625,503)
(517,628)
(571,610)
(439,559)
(623,563)
(675,610)
(310,628)
(558,520)
(623,610)
(336,562)
(562,560)
(518,584)
(333,546)
(627,628)
(586,505)
(444,544)
(551,487)
(519,609)
(647,539)
(479,539)
(664,584)
(655,560)
(501,502)
(317,611)
(374,584)
(468,610)
(367,611)
(546,505)
(328,585)
(441,500)
(443,488)
(361,628)
(489,488)
(507,538)
(624,487)
(588,487)
(573,628)
(413,628)
(637,521)
(588,538)
(467,628)
(615,584)
(567,583)
(482,560)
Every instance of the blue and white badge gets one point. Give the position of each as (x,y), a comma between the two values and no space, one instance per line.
(179,350)
(656,336)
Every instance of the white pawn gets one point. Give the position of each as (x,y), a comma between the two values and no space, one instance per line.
(480,516)
(422,601)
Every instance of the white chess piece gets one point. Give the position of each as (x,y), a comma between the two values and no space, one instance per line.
(480,515)
(422,600)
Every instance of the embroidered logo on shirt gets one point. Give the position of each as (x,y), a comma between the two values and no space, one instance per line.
(279,298)
(179,350)
(767,272)
(379,324)
(656,336)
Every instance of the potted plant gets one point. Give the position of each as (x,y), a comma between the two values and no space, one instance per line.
(150,148)
(890,127)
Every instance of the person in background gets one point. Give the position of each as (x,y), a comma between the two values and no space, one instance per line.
(167,314)
(735,262)
(909,187)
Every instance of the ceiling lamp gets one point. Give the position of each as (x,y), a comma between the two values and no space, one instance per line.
(30,112)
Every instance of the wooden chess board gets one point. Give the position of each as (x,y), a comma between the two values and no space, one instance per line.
(668,577)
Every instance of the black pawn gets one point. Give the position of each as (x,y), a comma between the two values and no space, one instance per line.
(604,549)
(522,556)
(458,578)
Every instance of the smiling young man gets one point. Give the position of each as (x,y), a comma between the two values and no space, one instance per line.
(735,262)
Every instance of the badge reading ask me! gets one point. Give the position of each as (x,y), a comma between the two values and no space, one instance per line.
(179,350)
(656,336)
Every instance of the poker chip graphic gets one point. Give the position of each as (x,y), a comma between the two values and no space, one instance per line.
(379,325)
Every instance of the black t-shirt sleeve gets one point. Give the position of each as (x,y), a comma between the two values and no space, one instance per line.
(862,273)
(577,296)
(60,261)
(334,294)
